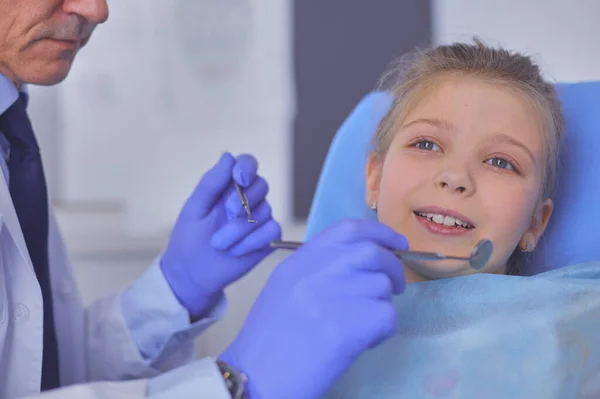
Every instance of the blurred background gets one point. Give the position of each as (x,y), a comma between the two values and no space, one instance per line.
(165,87)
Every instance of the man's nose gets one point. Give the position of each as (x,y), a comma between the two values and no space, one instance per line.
(94,11)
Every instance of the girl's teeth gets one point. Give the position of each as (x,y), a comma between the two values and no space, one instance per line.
(449,221)
(445,220)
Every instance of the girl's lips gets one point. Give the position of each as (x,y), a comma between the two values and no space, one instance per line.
(445,212)
(440,228)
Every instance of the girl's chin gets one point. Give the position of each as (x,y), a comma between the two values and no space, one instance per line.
(434,270)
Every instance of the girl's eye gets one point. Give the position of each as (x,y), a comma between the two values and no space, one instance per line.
(500,163)
(427,145)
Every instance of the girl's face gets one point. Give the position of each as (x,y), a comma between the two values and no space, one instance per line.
(466,164)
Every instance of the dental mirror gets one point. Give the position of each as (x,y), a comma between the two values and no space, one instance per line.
(480,255)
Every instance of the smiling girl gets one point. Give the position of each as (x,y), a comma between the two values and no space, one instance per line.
(467,151)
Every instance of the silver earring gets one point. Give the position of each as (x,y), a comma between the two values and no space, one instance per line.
(374,205)
(528,247)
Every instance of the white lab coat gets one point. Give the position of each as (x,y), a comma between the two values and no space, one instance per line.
(94,342)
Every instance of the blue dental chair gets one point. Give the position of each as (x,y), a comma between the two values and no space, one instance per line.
(486,336)
(573,234)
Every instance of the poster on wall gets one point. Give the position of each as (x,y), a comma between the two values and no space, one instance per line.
(163,88)
(202,52)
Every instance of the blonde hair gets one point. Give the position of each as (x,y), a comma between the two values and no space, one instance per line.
(416,72)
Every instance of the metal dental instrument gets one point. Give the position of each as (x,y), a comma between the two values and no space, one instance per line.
(244,200)
(480,255)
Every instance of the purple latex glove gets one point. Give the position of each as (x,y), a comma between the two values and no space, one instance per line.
(212,243)
(321,308)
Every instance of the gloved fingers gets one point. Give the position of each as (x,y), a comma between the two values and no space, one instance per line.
(358,230)
(256,193)
(364,285)
(258,240)
(235,230)
(371,257)
(244,170)
(365,322)
(383,323)
(210,188)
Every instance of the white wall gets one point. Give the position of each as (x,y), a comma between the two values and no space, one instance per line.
(561,35)
(162,89)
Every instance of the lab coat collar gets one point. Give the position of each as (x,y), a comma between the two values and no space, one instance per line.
(9,93)
(9,220)
(8,215)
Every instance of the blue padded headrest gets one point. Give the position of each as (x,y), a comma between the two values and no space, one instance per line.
(571,236)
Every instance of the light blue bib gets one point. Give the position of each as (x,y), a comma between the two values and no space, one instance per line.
(486,337)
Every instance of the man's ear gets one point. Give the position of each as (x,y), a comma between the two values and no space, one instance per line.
(538,225)
(373,178)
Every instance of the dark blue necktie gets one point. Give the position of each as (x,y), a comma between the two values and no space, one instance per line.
(30,197)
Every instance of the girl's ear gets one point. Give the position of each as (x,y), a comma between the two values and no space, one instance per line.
(539,222)
(373,178)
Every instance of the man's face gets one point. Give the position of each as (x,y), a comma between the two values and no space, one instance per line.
(40,38)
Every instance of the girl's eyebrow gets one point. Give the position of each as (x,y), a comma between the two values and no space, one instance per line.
(447,125)
(439,123)
(505,138)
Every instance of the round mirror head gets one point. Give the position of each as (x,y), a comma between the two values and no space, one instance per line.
(481,254)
